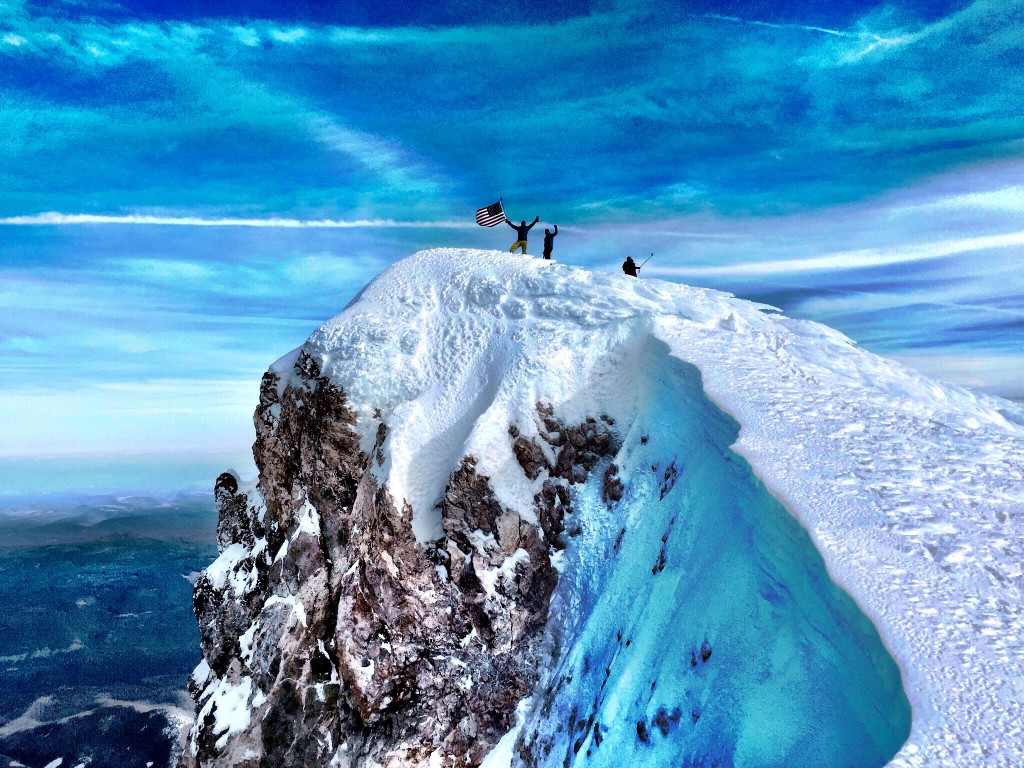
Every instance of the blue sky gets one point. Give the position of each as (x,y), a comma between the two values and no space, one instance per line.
(857,163)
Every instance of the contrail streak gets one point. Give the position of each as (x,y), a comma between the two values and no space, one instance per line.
(873,40)
(774,25)
(67,219)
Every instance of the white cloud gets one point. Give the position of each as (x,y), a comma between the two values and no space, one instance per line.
(53,218)
(15,40)
(157,415)
(327,269)
(1009,199)
(873,42)
(862,41)
(121,342)
(397,168)
(246,36)
(953,297)
(289,35)
(994,373)
(856,259)
(174,270)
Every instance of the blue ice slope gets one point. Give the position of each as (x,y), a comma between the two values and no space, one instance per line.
(696,623)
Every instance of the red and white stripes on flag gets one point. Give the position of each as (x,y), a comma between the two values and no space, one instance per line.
(490,216)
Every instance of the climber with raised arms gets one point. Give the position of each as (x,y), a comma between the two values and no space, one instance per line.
(523,231)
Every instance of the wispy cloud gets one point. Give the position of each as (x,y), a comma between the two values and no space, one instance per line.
(69,219)
(1008,199)
(856,259)
(293,35)
(867,41)
(295,159)
(366,121)
(998,374)
(396,166)
(128,417)
(777,25)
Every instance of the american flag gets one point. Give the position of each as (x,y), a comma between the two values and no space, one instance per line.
(490,216)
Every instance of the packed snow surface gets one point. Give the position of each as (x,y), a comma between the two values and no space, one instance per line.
(910,490)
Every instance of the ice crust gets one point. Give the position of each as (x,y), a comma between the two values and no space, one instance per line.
(910,489)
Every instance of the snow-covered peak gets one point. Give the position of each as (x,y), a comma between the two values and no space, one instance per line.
(911,489)
(449,346)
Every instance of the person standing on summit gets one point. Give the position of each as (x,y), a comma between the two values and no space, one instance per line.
(522,230)
(549,241)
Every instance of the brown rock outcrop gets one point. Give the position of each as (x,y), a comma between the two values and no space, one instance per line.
(331,635)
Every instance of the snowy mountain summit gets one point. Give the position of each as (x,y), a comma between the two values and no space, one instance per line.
(515,513)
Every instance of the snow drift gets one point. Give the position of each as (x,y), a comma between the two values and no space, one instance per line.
(515,512)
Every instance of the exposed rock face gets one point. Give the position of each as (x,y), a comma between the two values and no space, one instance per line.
(331,636)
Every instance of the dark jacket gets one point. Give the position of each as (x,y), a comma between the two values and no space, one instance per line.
(522,230)
(549,239)
(629,266)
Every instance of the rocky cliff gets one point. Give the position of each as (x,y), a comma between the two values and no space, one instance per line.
(330,635)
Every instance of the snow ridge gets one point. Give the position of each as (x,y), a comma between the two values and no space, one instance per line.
(477,429)
(909,488)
